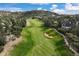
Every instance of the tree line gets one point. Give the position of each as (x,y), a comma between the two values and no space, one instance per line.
(10,27)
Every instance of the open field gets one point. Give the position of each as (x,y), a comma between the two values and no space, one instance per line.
(36,44)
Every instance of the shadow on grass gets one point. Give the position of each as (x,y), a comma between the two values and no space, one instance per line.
(43,28)
(62,49)
(60,46)
(24,47)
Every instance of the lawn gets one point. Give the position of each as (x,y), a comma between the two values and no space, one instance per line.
(36,44)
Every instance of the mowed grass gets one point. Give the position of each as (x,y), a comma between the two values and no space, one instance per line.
(36,44)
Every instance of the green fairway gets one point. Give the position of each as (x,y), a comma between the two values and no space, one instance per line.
(36,44)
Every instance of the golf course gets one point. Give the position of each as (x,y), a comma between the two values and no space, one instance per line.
(35,43)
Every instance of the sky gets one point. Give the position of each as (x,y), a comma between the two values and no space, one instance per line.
(60,8)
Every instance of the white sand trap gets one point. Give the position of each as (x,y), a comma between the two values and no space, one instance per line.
(46,35)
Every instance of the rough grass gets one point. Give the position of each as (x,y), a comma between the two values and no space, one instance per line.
(36,44)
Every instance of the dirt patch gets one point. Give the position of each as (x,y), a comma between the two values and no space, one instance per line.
(9,46)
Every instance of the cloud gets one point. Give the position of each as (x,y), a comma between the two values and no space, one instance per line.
(53,6)
(68,9)
(69,6)
(12,9)
(39,8)
(39,3)
(59,11)
(45,9)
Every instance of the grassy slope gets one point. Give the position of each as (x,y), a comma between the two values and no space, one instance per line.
(36,44)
